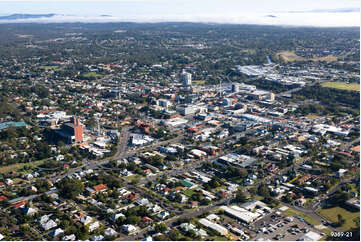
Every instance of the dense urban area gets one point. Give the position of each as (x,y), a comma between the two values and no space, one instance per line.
(179,131)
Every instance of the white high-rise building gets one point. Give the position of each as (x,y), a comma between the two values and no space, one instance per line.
(187,79)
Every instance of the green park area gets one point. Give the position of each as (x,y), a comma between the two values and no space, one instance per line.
(342,86)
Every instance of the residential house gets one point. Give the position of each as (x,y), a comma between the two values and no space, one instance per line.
(56,232)
(114,217)
(49,225)
(97,238)
(94,226)
(163,215)
(86,220)
(110,232)
(129,228)
(100,188)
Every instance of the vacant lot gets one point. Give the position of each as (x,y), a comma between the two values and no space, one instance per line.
(342,86)
(331,214)
(15,167)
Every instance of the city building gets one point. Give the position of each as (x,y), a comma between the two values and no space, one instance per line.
(71,132)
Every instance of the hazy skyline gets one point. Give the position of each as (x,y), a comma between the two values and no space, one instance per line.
(284,12)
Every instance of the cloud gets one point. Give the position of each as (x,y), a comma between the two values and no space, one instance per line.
(317,19)
(336,10)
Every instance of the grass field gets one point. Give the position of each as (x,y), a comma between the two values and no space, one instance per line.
(132,178)
(290,56)
(292,212)
(342,86)
(199,82)
(256,197)
(188,192)
(47,68)
(91,74)
(331,214)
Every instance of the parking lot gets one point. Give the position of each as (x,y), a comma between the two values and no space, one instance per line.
(275,227)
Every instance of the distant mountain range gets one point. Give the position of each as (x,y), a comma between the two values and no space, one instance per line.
(16,16)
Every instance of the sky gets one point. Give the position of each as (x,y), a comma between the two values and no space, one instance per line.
(270,12)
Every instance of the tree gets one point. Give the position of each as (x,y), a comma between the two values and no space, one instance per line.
(263,190)
(133,219)
(340,220)
(287,198)
(160,228)
(240,196)
(161,237)
(191,233)
(339,198)
(214,182)
(174,235)
(70,188)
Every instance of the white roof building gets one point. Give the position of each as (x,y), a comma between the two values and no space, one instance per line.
(86,220)
(30,211)
(220,229)
(241,213)
(94,226)
(212,217)
(97,238)
(174,122)
(8,181)
(142,202)
(69,237)
(163,215)
(110,232)
(114,217)
(149,238)
(44,218)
